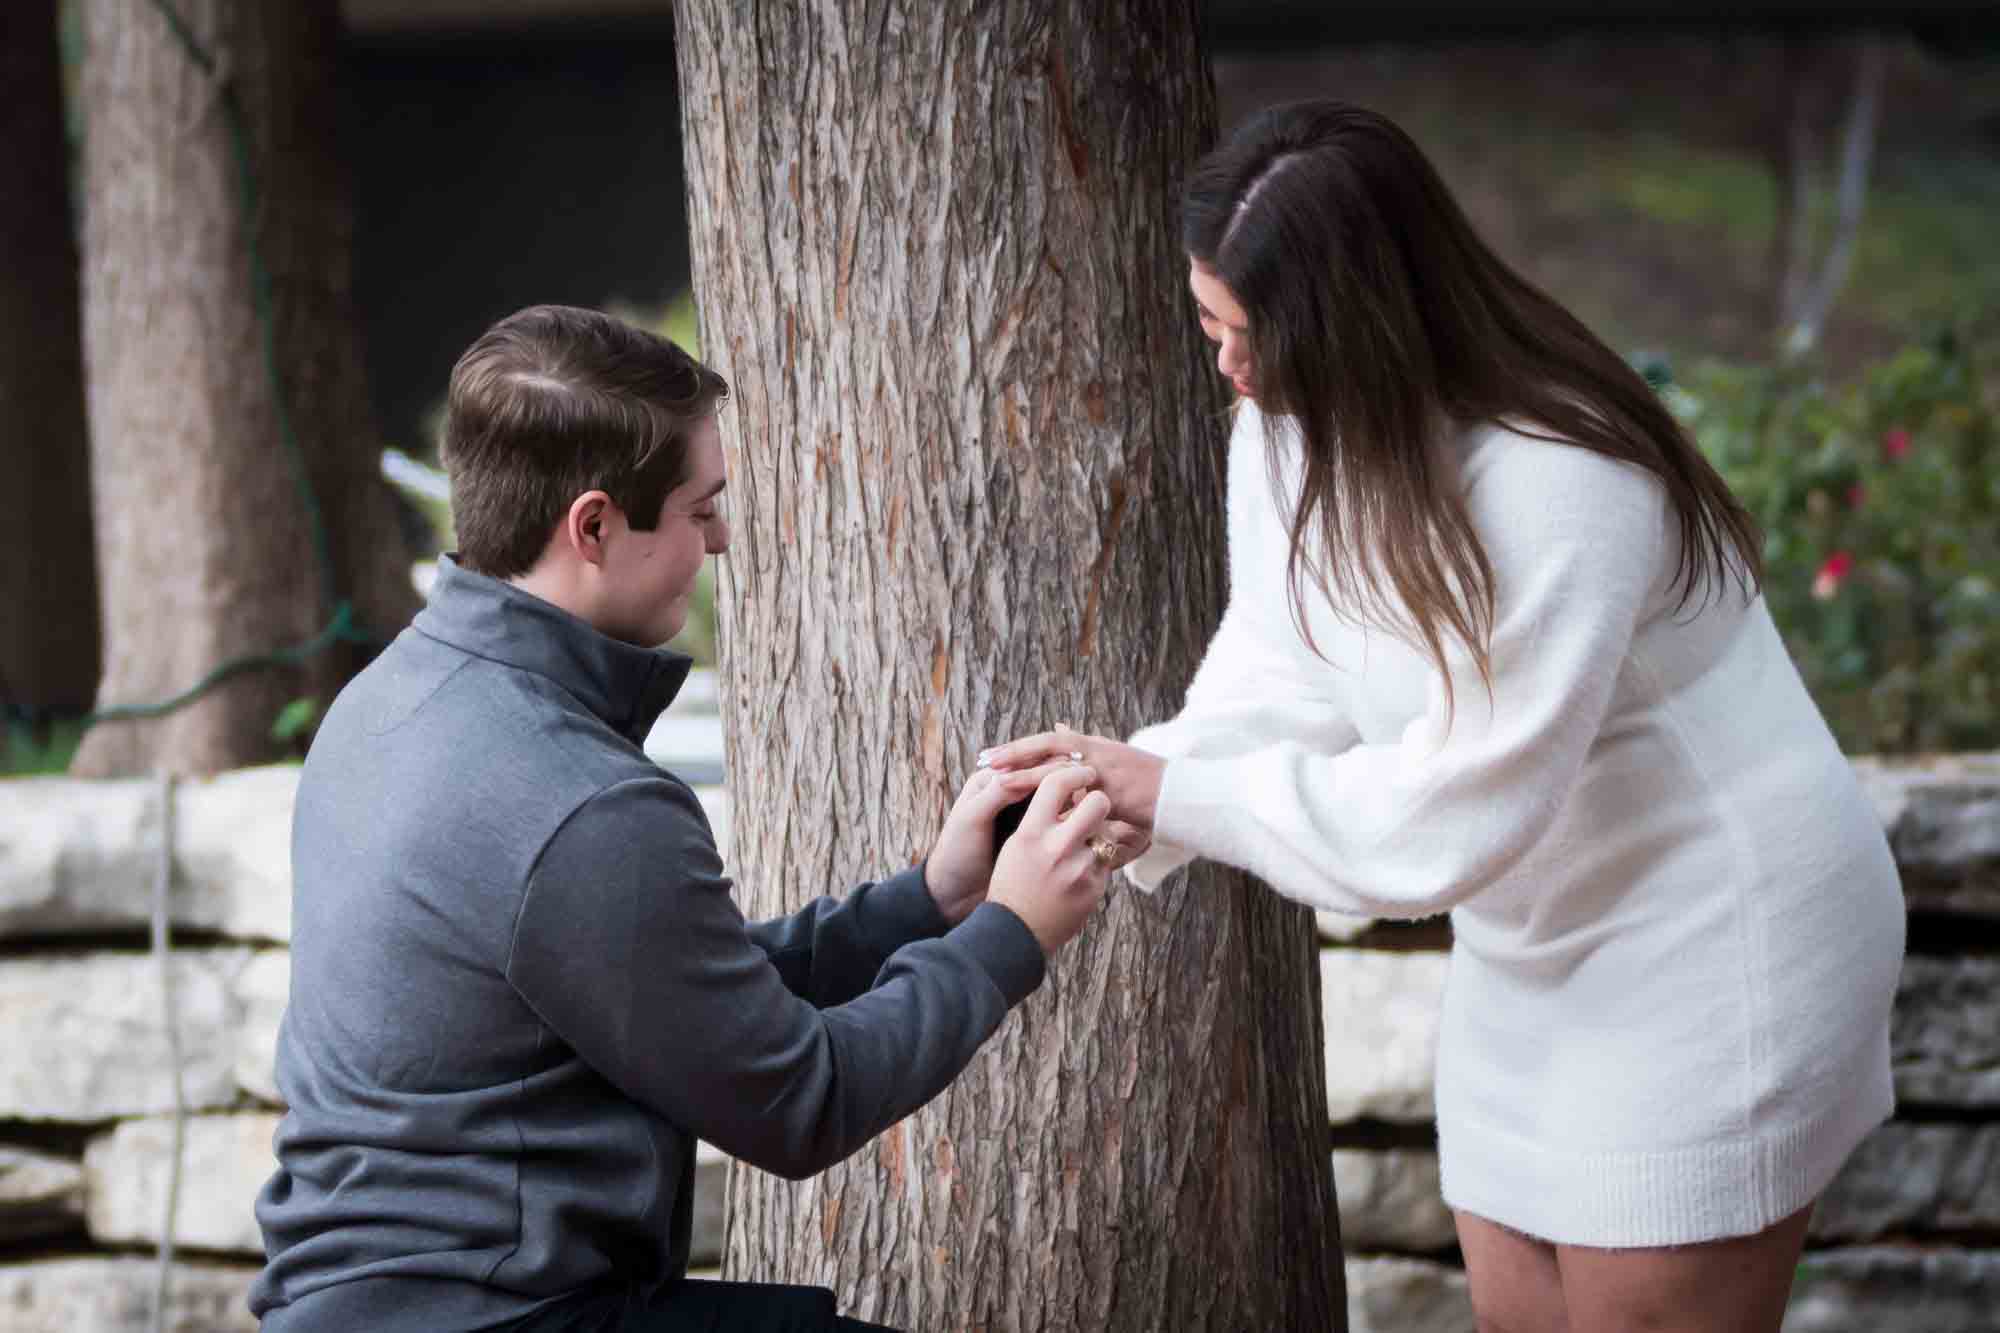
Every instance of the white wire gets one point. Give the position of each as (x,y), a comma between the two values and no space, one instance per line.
(163,955)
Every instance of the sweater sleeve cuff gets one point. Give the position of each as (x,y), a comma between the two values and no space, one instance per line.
(1191,816)
(1162,859)
(1001,943)
(901,909)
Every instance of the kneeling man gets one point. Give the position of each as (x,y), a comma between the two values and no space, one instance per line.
(521,989)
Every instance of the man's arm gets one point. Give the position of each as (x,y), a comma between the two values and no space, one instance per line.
(830,951)
(631,949)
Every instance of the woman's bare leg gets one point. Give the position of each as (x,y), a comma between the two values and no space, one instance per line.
(1738,1285)
(1516,1285)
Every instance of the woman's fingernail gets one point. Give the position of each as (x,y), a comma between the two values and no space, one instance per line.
(1076,756)
(984,760)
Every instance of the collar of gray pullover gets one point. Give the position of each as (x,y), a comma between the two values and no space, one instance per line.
(627,686)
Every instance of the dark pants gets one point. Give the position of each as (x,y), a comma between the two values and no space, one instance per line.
(695,1307)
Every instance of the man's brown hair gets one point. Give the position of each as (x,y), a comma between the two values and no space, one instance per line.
(554,401)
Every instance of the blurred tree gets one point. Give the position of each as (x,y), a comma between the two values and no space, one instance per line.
(1807,277)
(48,569)
(977,461)
(221,357)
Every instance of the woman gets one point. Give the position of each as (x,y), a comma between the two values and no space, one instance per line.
(1494,647)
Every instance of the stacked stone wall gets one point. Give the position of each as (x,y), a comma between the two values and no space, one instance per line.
(1907,1240)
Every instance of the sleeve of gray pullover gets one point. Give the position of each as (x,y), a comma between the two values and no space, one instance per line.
(830,951)
(630,947)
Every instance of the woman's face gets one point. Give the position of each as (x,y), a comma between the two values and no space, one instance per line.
(1223,320)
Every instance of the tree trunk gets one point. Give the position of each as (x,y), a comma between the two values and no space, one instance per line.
(48,570)
(205,543)
(1815,302)
(1788,146)
(977,468)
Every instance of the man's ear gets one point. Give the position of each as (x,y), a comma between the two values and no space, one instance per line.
(585,525)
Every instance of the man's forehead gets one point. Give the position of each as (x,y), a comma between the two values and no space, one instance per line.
(706,464)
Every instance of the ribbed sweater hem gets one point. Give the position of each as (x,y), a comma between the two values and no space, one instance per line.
(1682,1196)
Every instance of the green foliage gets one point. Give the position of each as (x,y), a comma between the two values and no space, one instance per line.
(296,720)
(1880,505)
(680,323)
(27,750)
(676,321)
(697,637)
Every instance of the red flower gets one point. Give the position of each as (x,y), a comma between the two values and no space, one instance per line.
(1857,495)
(1831,575)
(1895,443)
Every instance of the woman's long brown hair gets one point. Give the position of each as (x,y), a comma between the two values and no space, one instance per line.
(1379,319)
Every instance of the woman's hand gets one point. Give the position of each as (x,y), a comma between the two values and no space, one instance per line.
(1128,775)
(960,867)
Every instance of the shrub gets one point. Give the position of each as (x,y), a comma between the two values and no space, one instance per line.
(1880,505)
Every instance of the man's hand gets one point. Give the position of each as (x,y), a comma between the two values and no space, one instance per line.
(961,864)
(1053,870)
(1128,775)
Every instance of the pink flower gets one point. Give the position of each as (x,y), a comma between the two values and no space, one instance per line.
(1895,443)
(1831,575)
(1857,495)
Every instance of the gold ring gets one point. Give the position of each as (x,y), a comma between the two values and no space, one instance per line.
(1105,850)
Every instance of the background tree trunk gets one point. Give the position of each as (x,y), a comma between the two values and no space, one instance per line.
(1807,277)
(1857,151)
(48,568)
(977,469)
(1788,141)
(203,539)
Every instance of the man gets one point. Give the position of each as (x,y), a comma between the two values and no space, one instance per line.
(520,988)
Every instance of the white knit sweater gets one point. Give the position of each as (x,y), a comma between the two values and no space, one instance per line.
(1677,925)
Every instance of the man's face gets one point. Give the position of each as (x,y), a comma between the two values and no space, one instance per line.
(651,575)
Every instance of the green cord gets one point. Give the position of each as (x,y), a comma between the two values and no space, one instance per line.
(343,627)
(340,627)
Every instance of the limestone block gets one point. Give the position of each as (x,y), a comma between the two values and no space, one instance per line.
(1389,1200)
(715,804)
(1895,1289)
(1944,1037)
(87,1039)
(1406,1296)
(116,1296)
(261,992)
(76,856)
(711,1177)
(39,1195)
(1381,1012)
(1914,1178)
(689,745)
(1943,820)
(81,856)
(233,844)
(1339,927)
(701,693)
(226,1159)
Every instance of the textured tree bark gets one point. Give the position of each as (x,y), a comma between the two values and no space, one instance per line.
(204,541)
(48,569)
(977,475)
